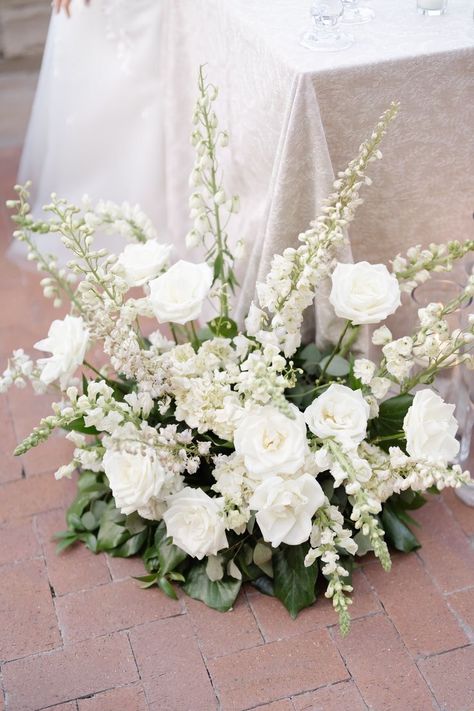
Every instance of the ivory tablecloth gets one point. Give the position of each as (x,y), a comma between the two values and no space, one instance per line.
(296,117)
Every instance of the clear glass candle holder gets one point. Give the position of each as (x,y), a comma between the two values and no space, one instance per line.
(431,7)
(326,34)
(356,14)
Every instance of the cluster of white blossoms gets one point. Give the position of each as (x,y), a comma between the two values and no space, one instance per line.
(197,428)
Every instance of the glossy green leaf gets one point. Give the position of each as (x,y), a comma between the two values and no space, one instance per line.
(169,556)
(293,582)
(390,420)
(89,521)
(220,595)
(131,547)
(264,584)
(396,532)
(111,535)
(167,588)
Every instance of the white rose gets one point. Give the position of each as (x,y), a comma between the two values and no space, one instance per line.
(285,508)
(195,522)
(177,295)
(141,262)
(67,342)
(363,292)
(135,479)
(339,412)
(430,428)
(270,442)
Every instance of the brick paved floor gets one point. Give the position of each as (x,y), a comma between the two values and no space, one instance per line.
(77,634)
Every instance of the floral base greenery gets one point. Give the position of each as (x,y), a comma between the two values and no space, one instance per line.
(232,454)
(94,520)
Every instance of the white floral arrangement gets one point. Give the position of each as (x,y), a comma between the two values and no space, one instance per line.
(224,456)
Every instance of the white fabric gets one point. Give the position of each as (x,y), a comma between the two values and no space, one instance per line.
(296,117)
(96,123)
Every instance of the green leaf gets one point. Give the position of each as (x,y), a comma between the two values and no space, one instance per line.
(89,540)
(294,583)
(147,580)
(89,521)
(390,420)
(264,584)
(169,556)
(134,523)
(262,557)
(218,264)
(205,334)
(397,533)
(223,327)
(409,499)
(311,357)
(66,539)
(131,547)
(111,535)
(167,588)
(98,508)
(80,426)
(337,368)
(220,595)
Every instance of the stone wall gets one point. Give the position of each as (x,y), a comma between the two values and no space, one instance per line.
(23,27)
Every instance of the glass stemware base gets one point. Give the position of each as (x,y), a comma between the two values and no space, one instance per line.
(333,42)
(357,15)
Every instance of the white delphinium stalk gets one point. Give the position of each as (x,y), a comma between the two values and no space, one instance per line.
(328,538)
(210,206)
(294,276)
(419,262)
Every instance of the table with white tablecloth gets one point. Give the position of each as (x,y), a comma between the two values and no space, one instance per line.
(297,117)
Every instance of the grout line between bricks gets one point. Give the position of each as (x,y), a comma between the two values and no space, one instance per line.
(257,624)
(203,657)
(328,686)
(332,634)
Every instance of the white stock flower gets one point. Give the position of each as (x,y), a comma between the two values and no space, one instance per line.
(271,442)
(67,342)
(380,387)
(134,478)
(381,336)
(177,295)
(364,370)
(364,293)
(141,262)
(430,428)
(339,412)
(285,508)
(195,522)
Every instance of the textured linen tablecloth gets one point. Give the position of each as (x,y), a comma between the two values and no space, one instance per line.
(296,117)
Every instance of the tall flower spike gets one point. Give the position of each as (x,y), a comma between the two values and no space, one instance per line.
(291,284)
(210,206)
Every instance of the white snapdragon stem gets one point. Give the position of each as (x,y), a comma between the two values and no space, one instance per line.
(365,511)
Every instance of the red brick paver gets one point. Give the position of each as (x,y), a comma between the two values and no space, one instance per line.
(77,634)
